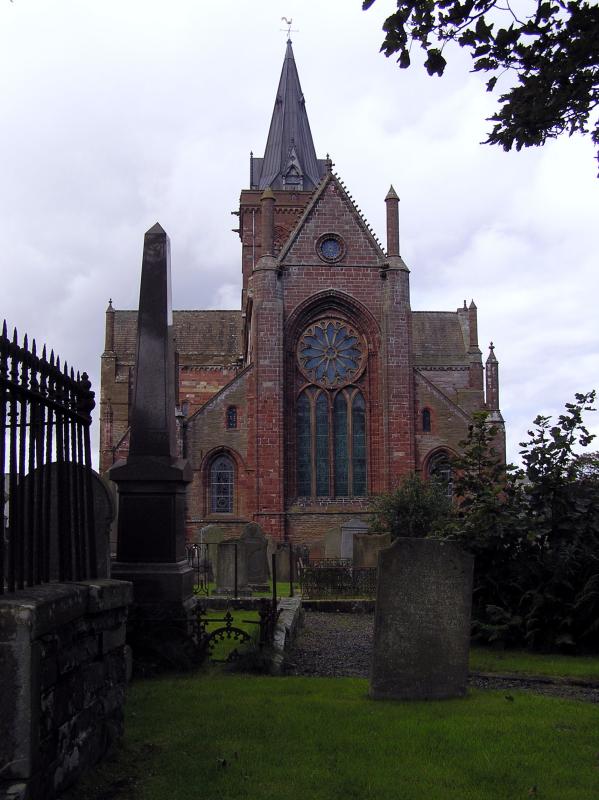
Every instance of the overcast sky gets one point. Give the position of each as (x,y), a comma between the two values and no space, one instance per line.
(115,115)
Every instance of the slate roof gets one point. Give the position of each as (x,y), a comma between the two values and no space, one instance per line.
(289,133)
(437,339)
(213,337)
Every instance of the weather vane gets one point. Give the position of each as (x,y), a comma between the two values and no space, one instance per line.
(289,23)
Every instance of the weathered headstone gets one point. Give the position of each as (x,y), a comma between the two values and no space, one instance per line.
(102,514)
(367,546)
(422,621)
(152,480)
(285,560)
(256,544)
(348,530)
(230,552)
(332,543)
(211,535)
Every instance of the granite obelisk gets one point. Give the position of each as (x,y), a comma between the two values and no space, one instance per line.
(152,479)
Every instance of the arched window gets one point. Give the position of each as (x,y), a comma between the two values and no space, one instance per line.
(222,480)
(439,467)
(426,420)
(231,417)
(331,443)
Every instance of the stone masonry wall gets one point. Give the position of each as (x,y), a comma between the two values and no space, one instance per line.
(63,678)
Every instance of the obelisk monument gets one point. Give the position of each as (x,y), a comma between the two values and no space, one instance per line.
(152,479)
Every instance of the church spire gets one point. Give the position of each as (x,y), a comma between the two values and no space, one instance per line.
(290,157)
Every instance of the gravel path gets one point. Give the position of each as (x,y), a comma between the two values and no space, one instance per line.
(339,645)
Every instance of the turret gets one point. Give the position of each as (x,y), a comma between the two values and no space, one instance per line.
(392,203)
(474,354)
(492,380)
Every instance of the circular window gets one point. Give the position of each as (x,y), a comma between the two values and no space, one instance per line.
(330,247)
(331,353)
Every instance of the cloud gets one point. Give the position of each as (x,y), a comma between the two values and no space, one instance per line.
(118,115)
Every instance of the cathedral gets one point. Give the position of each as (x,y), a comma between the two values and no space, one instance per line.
(325,388)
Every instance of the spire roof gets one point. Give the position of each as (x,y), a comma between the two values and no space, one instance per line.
(290,157)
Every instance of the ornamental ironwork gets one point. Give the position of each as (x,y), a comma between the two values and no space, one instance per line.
(331,578)
(331,353)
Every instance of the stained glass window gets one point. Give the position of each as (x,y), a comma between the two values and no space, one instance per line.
(343,453)
(331,353)
(303,435)
(232,417)
(439,467)
(426,421)
(322,446)
(358,446)
(221,485)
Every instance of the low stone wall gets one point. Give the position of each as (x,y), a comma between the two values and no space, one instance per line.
(63,678)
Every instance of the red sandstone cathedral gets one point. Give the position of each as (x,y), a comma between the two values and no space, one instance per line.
(325,387)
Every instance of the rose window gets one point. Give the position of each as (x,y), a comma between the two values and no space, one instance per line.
(331,353)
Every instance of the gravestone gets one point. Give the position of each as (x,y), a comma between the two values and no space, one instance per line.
(228,551)
(348,529)
(255,544)
(367,546)
(211,535)
(102,514)
(422,621)
(283,561)
(332,543)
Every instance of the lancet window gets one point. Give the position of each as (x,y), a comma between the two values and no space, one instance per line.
(222,484)
(331,443)
(439,467)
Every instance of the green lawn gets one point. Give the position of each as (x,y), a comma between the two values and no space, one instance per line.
(245,620)
(224,737)
(485,659)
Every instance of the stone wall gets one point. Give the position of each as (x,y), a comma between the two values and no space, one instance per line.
(63,675)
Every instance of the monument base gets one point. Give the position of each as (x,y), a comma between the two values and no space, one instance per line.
(260,587)
(162,628)
(156,583)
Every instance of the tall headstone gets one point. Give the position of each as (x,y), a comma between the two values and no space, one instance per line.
(231,558)
(211,535)
(256,545)
(422,621)
(332,543)
(367,546)
(152,480)
(348,529)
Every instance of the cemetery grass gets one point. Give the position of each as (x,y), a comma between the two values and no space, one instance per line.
(231,737)
(522,662)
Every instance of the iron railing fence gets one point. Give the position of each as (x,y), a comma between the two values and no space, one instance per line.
(46,495)
(336,578)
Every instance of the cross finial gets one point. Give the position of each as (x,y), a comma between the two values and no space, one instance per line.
(289,23)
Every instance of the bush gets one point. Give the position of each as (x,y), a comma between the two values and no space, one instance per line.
(534,534)
(417,508)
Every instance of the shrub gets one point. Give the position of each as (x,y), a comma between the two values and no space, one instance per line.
(417,508)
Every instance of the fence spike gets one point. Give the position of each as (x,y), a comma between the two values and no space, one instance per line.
(33,349)
(51,357)
(57,362)
(14,336)
(44,352)
(25,343)
(4,330)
